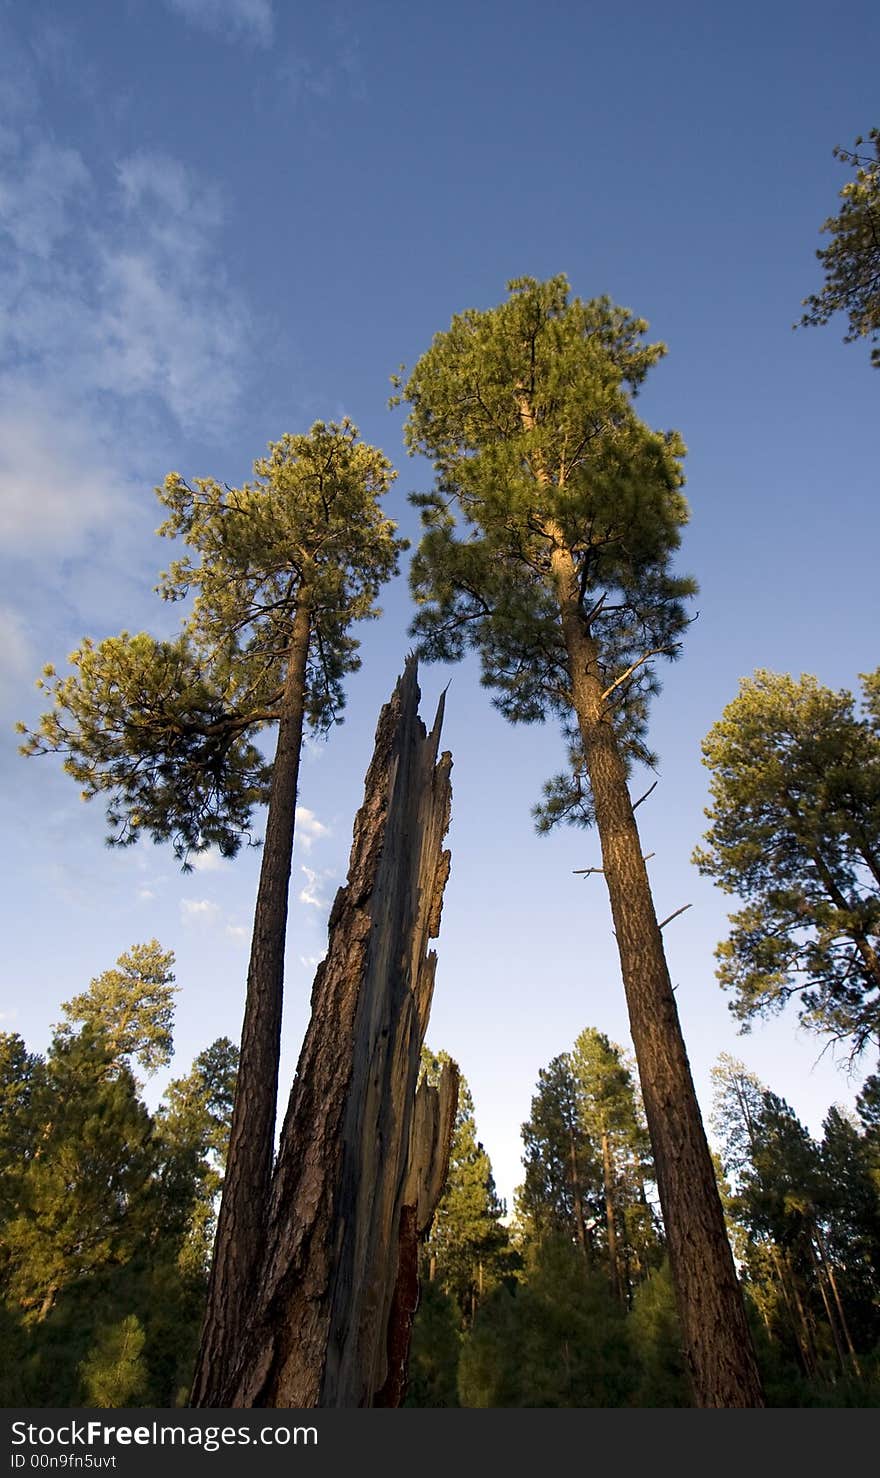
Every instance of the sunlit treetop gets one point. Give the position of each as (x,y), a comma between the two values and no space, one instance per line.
(167,728)
(526,412)
(851,260)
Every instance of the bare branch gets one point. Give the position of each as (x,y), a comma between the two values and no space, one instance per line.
(655,652)
(668,920)
(596,608)
(645,796)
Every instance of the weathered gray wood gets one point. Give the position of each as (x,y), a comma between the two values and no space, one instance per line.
(363,1156)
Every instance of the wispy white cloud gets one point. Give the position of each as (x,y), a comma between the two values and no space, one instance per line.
(16,652)
(312,893)
(114,309)
(311,962)
(251,20)
(145,894)
(313,749)
(199,911)
(209,861)
(36,195)
(58,477)
(205,914)
(308,828)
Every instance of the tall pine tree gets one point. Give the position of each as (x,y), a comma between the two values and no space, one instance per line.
(280,569)
(795,832)
(547,546)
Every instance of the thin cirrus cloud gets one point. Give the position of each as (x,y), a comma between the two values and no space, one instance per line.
(231,20)
(114,309)
(16,652)
(308,828)
(205,914)
(313,892)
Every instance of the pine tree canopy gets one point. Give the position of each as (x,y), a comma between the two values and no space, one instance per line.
(166,728)
(526,412)
(851,260)
(199,1106)
(133,1005)
(795,831)
(468,1241)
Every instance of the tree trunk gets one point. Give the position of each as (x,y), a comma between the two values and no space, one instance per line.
(241,1221)
(578,1198)
(363,1156)
(807,1322)
(798,1326)
(829,1267)
(829,1312)
(716,1336)
(718,1345)
(613,1256)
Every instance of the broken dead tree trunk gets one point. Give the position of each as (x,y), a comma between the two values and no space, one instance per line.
(363,1156)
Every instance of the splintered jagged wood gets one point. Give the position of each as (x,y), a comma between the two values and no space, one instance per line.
(363,1155)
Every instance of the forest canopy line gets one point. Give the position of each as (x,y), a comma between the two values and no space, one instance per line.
(108,1210)
(515,1311)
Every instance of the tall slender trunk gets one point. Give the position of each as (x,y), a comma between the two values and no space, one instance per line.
(798,1326)
(829,1268)
(578,1198)
(829,1312)
(243,1208)
(613,1256)
(717,1341)
(716,1335)
(807,1323)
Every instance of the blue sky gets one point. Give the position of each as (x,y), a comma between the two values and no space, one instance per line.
(224,219)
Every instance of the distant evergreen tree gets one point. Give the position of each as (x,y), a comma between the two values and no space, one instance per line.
(559,1192)
(559,1338)
(468,1246)
(434,1349)
(588,1160)
(851,260)
(133,1005)
(85,1195)
(795,832)
(106,1211)
(22,1085)
(656,1337)
(611,1116)
(114,1373)
(808,1215)
(193,1127)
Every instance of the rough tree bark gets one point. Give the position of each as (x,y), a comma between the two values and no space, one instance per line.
(717,1340)
(243,1207)
(363,1155)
